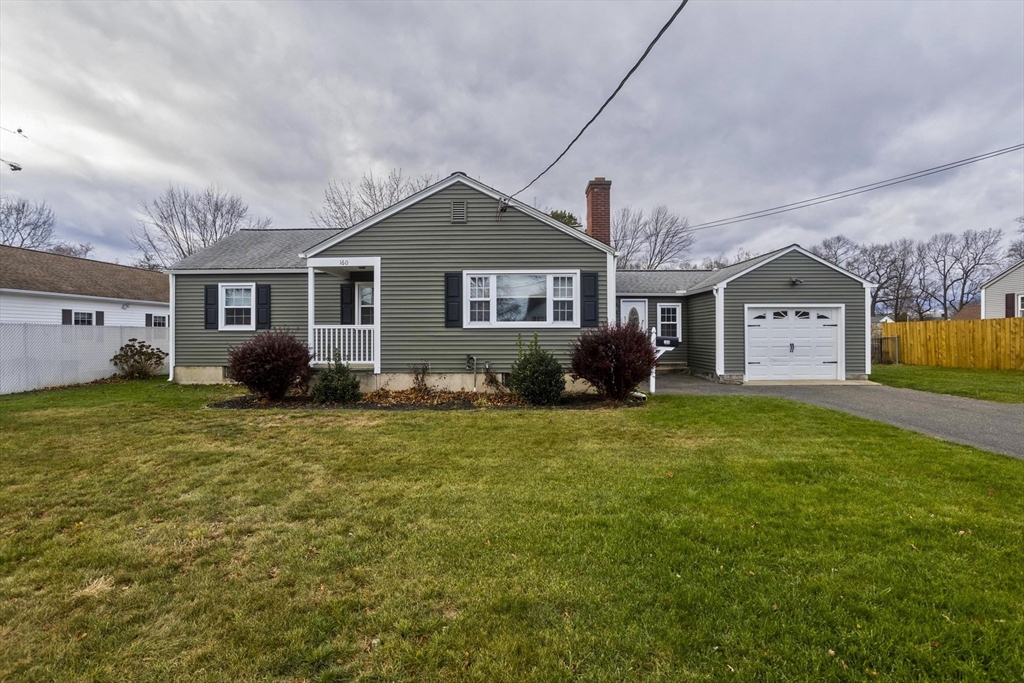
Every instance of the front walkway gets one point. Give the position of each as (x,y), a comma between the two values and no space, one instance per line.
(996,427)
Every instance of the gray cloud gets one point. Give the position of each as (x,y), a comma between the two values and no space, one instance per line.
(740,107)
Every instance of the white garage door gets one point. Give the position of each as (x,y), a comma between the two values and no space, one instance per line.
(793,343)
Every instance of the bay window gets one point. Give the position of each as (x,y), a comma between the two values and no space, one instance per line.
(522,299)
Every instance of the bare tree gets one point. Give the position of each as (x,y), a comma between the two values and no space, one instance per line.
(345,204)
(720,261)
(80,250)
(650,242)
(839,250)
(977,257)
(904,270)
(26,224)
(1016,251)
(180,222)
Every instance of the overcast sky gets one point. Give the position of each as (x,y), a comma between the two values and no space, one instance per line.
(741,106)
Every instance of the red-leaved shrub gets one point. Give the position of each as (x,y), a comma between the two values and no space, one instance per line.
(613,358)
(270,364)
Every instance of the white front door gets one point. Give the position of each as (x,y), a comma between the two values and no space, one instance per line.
(635,311)
(793,342)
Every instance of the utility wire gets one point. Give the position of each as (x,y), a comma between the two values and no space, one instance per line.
(853,191)
(612,97)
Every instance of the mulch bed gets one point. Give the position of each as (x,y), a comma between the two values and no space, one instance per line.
(413,400)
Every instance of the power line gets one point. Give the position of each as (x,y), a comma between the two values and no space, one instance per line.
(612,97)
(853,191)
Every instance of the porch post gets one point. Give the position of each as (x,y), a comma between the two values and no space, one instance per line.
(310,296)
(377,309)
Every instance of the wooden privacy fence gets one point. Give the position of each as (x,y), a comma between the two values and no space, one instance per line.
(994,344)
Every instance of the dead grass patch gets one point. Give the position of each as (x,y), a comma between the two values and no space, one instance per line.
(95,588)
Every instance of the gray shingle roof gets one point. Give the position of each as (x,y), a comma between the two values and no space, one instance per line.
(657,281)
(256,249)
(721,274)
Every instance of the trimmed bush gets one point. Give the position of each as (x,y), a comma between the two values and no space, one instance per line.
(614,359)
(138,360)
(336,384)
(270,364)
(537,376)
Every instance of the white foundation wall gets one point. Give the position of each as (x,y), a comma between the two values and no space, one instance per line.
(45,309)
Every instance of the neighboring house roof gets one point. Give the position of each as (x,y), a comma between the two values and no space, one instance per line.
(40,271)
(1003,274)
(968,312)
(454,178)
(256,250)
(634,282)
(882,319)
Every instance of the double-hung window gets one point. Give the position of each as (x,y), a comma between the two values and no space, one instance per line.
(365,303)
(522,299)
(668,320)
(159,321)
(83,318)
(238,307)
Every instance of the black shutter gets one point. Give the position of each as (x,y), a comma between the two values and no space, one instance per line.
(65,316)
(149,320)
(1011,305)
(589,301)
(348,303)
(210,308)
(99,317)
(262,307)
(453,299)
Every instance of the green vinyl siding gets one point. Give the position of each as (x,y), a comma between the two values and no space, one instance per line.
(700,332)
(327,299)
(771,283)
(195,346)
(420,244)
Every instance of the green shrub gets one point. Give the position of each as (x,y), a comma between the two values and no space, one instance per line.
(270,364)
(138,360)
(537,376)
(336,384)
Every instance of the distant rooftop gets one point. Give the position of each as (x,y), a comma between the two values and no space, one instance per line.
(41,271)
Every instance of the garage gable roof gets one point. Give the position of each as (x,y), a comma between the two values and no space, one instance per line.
(446,183)
(725,275)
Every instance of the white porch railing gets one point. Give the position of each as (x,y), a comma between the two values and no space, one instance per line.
(353,343)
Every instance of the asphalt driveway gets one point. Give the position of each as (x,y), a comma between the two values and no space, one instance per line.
(996,427)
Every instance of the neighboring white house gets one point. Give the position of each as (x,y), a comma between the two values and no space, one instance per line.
(63,318)
(42,288)
(1003,295)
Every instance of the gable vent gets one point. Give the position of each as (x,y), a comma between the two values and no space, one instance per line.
(459,214)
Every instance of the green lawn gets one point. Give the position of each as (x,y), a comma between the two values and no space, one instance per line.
(146,538)
(1004,386)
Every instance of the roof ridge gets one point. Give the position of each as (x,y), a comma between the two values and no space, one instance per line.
(287,229)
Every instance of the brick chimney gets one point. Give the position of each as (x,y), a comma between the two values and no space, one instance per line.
(599,209)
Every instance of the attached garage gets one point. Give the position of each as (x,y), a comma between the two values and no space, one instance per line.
(787,315)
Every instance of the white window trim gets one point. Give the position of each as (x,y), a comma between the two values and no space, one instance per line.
(359,303)
(1020,305)
(159,315)
(221,301)
(550,322)
(91,314)
(679,319)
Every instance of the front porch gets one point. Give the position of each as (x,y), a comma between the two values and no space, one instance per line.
(344,321)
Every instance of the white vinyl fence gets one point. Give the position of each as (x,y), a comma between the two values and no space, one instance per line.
(40,356)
